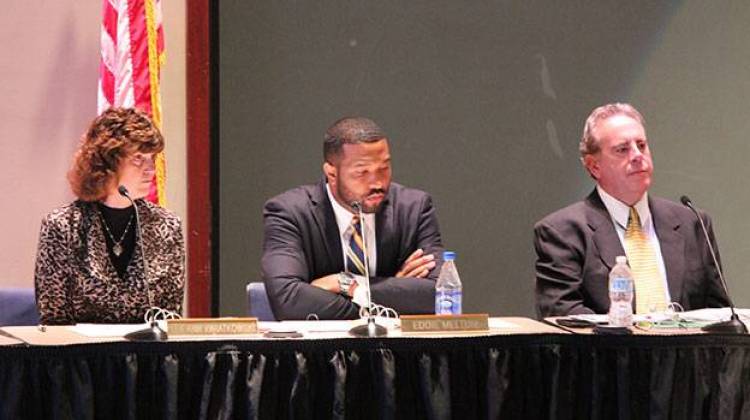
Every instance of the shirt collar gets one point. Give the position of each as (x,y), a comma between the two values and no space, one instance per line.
(344,216)
(620,212)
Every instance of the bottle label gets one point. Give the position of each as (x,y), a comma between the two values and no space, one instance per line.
(448,302)
(621,284)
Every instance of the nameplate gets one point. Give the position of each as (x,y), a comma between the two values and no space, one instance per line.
(444,323)
(212,326)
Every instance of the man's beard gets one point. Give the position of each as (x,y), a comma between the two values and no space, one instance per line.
(371,209)
(350,199)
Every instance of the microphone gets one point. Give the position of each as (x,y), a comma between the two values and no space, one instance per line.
(371,329)
(154,331)
(733,325)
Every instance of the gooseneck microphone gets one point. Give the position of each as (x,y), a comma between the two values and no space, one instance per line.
(733,325)
(154,331)
(371,329)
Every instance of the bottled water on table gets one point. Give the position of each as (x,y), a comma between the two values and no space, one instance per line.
(448,287)
(621,294)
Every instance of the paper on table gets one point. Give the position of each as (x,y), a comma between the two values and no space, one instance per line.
(714,315)
(344,326)
(501,324)
(323,326)
(595,318)
(106,330)
(305,326)
(7,339)
(698,315)
(604,318)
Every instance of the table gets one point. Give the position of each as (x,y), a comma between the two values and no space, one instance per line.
(533,372)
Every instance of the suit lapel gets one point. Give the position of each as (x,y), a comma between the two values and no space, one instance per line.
(672,246)
(605,236)
(325,219)
(384,231)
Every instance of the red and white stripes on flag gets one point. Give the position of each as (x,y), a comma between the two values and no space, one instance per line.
(132,55)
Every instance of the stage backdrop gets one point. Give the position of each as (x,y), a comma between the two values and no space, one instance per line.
(484,103)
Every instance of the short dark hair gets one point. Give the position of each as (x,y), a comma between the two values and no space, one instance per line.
(350,130)
(109,138)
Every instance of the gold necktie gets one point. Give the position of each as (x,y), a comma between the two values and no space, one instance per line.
(649,284)
(355,256)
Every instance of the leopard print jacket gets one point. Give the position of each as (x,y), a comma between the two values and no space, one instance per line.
(76,281)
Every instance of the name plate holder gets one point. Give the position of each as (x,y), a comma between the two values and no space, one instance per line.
(445,323)
(212,326)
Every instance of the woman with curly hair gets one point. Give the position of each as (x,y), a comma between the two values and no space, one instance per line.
(91,264)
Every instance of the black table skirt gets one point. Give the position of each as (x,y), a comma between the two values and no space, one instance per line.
(511,377)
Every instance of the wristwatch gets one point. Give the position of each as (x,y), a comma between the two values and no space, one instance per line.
(345,283)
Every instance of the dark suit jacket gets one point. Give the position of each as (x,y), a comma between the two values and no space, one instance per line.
(576,248)
(302,243)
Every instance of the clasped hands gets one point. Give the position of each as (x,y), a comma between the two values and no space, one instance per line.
(418,265)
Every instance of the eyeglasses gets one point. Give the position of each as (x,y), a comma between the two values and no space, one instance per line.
(143,161)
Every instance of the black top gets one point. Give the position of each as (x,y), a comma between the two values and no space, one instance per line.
(117,221)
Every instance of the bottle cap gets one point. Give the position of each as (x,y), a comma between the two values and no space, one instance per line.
(621,259)
(449,256)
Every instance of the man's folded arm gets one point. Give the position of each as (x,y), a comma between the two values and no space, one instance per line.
(428,237)
(286,275)
(405,295)
(411,295)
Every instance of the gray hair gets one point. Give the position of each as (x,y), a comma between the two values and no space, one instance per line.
(589,142)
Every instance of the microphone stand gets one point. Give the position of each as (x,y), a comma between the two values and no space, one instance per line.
(733,325)
(371,329)
(154,332)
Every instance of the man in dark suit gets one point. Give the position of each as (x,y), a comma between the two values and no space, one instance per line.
(576,246)
(309,235)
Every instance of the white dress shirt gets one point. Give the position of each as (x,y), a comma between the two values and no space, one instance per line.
(344,221)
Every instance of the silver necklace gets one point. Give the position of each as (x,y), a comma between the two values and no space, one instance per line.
(117,247)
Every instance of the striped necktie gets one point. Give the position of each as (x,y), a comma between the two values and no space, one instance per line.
(355,257)
(649,284)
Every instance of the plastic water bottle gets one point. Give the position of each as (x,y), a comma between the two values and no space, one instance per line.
(621,294)
(448,287)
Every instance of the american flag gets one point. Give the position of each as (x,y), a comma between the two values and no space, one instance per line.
(132,55)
